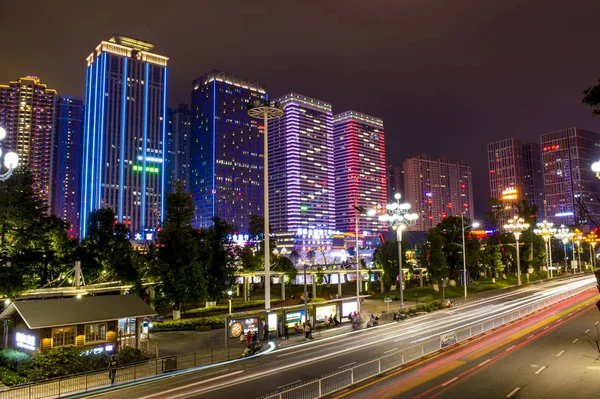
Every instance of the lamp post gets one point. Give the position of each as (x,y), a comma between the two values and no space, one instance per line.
(596,169)
(359,211)
(11,159)
(265,110)
(592,240)
(517,225)
(229,293)
(564,234)
(546,230)
(578,236)
(399,217)
(464,248)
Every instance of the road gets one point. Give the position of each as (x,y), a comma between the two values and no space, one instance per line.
(544,356)
(287,367)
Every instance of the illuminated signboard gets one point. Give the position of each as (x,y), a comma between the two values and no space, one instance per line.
(241,326)
(294,316)
(347,308)
(323,312)
(509,194)
(551,148)
(272,321)
(25,341)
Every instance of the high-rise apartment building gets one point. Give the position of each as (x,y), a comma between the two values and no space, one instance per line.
(178,146)
(395,180)
(505,165)
(360,169)
(301,174)
(436,189)
(226,150)
(28,113)
(124,139)
(67,165)
(533,181)
(570,187)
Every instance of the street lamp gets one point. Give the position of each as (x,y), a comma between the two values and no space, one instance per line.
(578,236)
(359,212)
(596,169)
(464,248)
(266,110)
(229,293)
(517,225)
(399,217)
(546,230)
(592,240)
(11,159)
(564,234)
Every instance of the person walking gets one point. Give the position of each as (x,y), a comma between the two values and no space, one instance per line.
(112,369)
(308,330)
(266,333)
(285,331)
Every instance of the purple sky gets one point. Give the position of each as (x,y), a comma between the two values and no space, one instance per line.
(447,76)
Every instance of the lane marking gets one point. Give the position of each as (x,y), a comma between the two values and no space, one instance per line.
(547,327)
(559,320)
(449,381)
(481,364)
(531,336)
(517,389)
(587,331)
(540,370)
(596,323)
(291,383)
(575,340)
(190,385)
(391,350)
(507,349)
(347,365)
(560,353)
(570,314)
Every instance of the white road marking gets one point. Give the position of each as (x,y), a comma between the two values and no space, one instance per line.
(507,349)
(481,364)
(575,340)
(191,385)
(587,331)
(517,389)
(540,370)
(596,323)
(531,336)
(347,365)
(559,320)
(560,353)
(291,383)
(391,350)
(545,328)
(449,381)
(570,314)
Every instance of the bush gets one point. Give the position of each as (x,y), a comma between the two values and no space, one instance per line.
(225,308)
(9,377)
(129,355)
(188,324)
(12,359)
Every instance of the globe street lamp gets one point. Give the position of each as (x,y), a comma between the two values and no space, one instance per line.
(564,234)
(266,110)
(399,217)
(592,240)
(11,159)
(596,169)
(517,225)
(546,230)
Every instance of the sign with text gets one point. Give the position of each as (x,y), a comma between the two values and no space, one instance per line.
(447,339)
(242,325)
(25,341)
(294,316)
(325,311)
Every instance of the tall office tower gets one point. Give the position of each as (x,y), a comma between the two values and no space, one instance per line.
(395,180)
(569,183)
(533,181)
(360,169)
(505,165)
(124,139)
(182,123)
(67,164)
(437,189)
(226,150)
(28,113)
(301,176)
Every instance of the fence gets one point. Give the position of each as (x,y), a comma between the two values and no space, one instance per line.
(340,379)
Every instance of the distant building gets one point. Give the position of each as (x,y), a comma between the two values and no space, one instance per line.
(533,179)
(226,150)
(28,113)
(124,140)
(395,180)
(301,172)
(567,156)
(178,146)
(360,169)
(436,189)
(67,165)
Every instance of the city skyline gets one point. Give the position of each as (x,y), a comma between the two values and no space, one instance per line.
(474,88)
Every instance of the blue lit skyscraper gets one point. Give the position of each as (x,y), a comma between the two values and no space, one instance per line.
(226,156)
(124,139)
(67,162)
(177,160)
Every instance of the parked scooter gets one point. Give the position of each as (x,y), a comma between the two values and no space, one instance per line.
(252,349)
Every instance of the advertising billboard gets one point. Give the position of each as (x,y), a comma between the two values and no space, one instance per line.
(294,316)
(242,325)
(324,311)
(272,321)
(347,308)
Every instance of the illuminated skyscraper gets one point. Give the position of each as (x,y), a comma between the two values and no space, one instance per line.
(301,174)
(178,146)
(437,188)
(360,169)
(533,180)
(28,113)
(226,150)
(570,187)
(505,165)
(395,181)
(124,139)
(67,165)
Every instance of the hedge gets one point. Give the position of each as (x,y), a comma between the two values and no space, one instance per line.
(234,306)
(10,377)
(13,358)
(187,324)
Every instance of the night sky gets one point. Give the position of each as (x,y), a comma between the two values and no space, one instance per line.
(447,76)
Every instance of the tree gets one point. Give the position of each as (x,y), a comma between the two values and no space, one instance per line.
(386,258)
(436,258)
(217,258)
(285,265)
(591,98)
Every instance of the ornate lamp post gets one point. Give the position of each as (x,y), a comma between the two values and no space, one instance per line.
(517,225)
(266,110)
(399,217)
(578,237)
(546,230)
(592,240)
(596,169)
(360,211)
(564,234)
(10,159)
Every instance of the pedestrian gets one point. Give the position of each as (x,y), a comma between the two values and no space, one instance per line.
(112,368)
(285,331)
(266,333)
(306,330)
(249,337)
(309,329)
(335,320)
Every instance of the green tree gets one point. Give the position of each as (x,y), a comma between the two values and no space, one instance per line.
(285,265)
(217,258)
(436,262)
(591,98)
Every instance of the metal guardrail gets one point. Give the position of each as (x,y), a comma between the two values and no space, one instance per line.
(335,381)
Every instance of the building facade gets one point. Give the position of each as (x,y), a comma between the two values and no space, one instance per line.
(67,165)
(395,180)
(124,139)
(360,169)
(28,113)
(226,150)
(301,172)
(533,181)
(505,166)
(436,189)
(570,187)
(178,146)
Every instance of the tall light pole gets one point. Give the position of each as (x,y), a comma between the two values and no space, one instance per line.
(592,240)
(546,230)
(464,248)
(564,234)
(266,110)
(578,235)
(399,217)
(11,159)
(517,225)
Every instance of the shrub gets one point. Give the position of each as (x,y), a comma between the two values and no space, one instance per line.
(9,377)
(188,324)
(128,355)
(12,358)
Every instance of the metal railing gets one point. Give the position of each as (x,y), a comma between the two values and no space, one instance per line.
(335,381)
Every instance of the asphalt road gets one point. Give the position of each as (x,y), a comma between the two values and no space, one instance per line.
(287,367)
(547,355)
